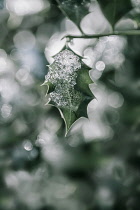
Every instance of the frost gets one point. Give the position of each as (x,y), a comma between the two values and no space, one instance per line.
(63,73)
(66,97)
(68,59)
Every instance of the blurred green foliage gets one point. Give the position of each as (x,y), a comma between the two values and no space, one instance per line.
(96,167)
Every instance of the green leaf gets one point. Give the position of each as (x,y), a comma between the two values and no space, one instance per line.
(50,87)
(115,9)
(82,109)
(69,117)
(68,84)
(74,10)
(84,78)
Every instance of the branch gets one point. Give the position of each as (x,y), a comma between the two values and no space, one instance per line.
(115,33)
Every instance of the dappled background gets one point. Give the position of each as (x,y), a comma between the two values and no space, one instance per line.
(97,166)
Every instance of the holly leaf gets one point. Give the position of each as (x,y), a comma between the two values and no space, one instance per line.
(67,85)
(115,9)
(84,78)
(74,10)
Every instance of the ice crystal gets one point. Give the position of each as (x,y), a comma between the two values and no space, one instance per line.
(68,59)
(63,73)
(65,96)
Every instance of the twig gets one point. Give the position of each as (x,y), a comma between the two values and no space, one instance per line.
(115,33)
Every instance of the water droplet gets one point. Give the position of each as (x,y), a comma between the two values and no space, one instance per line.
(27,145)
(100,65)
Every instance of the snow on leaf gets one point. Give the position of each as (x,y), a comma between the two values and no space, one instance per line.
(68,86)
